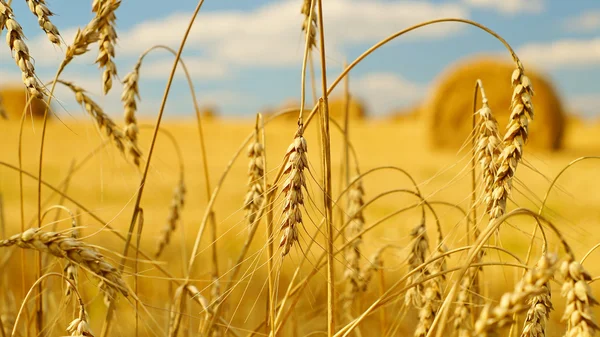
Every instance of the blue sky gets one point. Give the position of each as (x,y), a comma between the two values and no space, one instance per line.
(246,55)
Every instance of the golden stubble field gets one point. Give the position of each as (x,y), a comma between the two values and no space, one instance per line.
(106,185)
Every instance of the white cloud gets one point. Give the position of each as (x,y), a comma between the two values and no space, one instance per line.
(585,22)
(271,35)
(198,68)
(509,7)
(387,91)
(562,53)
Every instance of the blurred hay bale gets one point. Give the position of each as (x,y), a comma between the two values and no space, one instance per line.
(410,114)
(356,109)
(14,99)
(449,108)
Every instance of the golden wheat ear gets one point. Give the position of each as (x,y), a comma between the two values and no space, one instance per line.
(43,14)
(578,309)
(292,187)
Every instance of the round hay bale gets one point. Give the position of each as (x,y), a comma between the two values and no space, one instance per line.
(450,106)
(14,98)
(410,114)
(356,109)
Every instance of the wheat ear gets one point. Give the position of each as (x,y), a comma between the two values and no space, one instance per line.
(20,52)
(309,22)
(256,171)
(105,13)
(292,187)
(513,141)
(416,258)
(103,121)
(78,252)
(578,309)
(129,96)
(175,209)
(83,38)
(41,11)
(532,284)
(488,146)
(355,226)
(432,293)
(539,310)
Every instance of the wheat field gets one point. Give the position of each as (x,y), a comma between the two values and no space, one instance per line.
(287,226)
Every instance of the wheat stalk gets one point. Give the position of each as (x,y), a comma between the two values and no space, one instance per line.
(20,52)
(103,121)
(578,309)
(129,95)
(292,187)
(539,310)
(74,251)
(177,203)
(105,13)
(41,11)
(513,141)
(532,284)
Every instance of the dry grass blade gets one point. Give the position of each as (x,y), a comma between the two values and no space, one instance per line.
(174,214)
(75,251)
(105,13)
(513,142)
(532,284)
(129,96)
(578,309)
(292,187)
(41,11)
(20,52)
(539,311)
(104,121)
(353,253)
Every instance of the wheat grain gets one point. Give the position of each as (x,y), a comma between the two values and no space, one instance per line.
(539,311)
(129,95)
(73,250)
(578,309)
(292,187)
(80,326)
(41,11)
(256,170)
(105,13)
(513,141)
(20,52)
(511,303)
(177,203)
